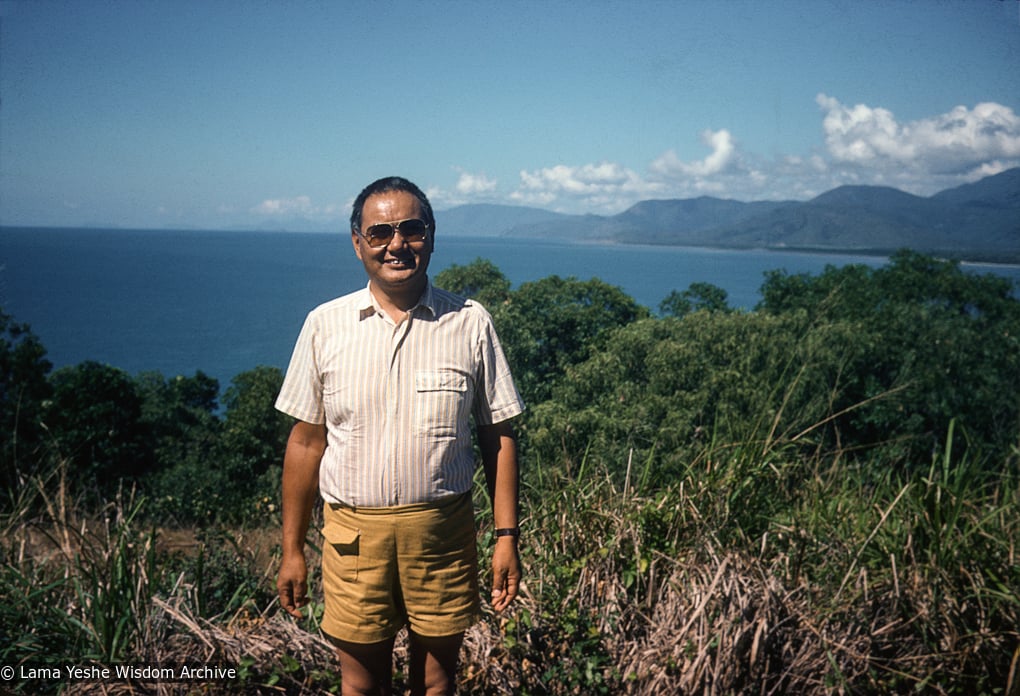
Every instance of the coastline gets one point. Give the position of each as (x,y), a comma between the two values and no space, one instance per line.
(970,257)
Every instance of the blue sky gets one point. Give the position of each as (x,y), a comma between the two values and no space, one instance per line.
(226,113)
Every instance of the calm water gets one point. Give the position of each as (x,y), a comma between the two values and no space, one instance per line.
(224,302)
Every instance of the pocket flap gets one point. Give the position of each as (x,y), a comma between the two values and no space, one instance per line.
(440,380)
(339,535)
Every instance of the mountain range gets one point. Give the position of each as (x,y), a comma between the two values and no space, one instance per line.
(978,221)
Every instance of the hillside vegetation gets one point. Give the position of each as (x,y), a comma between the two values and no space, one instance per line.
(817,496)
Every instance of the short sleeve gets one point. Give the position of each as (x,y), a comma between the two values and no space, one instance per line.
(497,399)
(301,393)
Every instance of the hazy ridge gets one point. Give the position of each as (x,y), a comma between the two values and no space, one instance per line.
(978,221)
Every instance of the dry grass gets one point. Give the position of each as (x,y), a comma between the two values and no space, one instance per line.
(624,595)
(725,626)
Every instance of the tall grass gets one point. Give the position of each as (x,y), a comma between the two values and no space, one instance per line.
(760,572)
(756,570)
(81,586)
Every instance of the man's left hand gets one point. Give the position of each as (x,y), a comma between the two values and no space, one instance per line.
(506,573)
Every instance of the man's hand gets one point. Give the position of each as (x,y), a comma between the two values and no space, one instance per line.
(305,446)
(506,573)
(292,584)
(498,444)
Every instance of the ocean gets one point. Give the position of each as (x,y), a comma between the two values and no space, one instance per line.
(178,302)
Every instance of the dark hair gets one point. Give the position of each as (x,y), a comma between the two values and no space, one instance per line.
(385,185)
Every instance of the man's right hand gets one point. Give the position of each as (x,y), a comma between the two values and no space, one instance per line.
(299,489)
(292,584)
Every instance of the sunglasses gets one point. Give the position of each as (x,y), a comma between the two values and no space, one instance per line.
(414,231)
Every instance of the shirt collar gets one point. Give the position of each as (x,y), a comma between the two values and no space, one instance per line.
(368,305)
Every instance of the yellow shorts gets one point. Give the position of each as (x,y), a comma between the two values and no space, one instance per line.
(383,568)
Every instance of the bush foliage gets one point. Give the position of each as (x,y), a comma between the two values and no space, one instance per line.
(166,438)
(864,362)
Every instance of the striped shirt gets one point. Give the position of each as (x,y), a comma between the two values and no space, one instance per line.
(397,399)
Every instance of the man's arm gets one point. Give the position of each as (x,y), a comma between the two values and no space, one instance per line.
(499,457)
(305,446)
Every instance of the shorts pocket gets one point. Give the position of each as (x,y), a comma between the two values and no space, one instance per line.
(346,545)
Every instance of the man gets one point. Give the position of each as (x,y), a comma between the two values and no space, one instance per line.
(383,383)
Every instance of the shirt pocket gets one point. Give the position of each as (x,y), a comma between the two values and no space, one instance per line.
(440,401)
(346,549)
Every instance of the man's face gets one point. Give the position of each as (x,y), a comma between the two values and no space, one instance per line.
(399,266)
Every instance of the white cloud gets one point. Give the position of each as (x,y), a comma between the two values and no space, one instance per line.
(722,158)
(298,206)
(593,187)
(475,184)
(470,188)
(284,206)
(862,145)
(959,141)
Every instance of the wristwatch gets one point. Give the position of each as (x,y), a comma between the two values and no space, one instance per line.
(508,531)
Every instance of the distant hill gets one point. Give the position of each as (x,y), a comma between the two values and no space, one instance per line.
(978,221)
(484,220)
(687,222)
(994,191)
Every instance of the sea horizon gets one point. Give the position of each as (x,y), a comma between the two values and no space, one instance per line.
(181,301)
